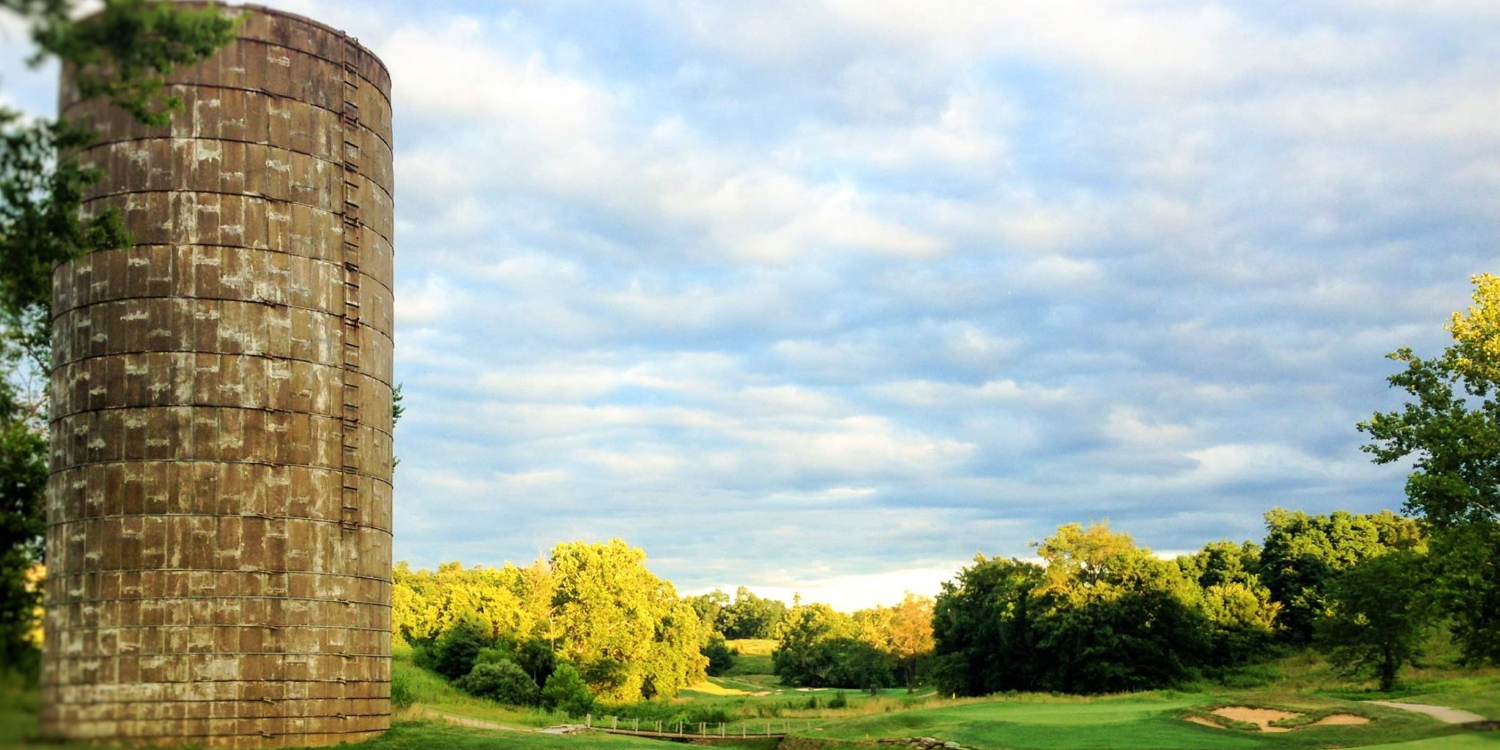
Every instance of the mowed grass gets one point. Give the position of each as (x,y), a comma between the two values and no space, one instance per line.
(754,659)
(1133,722)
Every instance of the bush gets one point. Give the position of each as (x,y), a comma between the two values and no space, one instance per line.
(501,681)
(536,657)
(401,692)
(457,651)
(839,700)
(565,691)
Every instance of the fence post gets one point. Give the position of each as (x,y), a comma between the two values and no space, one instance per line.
(635,725)
(614,722)
(588,720)
(722,730)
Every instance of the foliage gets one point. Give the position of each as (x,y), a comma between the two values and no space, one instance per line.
(628,629)
(1114,617)
(751,616)
(23,478)
(1101,615)
(500,680)
(798,660)
(720,656)
(124,53)
(1466,567)
(595,605)
(1450,429)
(1303,553)
(982,628)
(1377,617)
(710,610)
(565,691)
(457,651)
(402,695)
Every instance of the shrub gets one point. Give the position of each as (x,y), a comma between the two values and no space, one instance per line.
(839,700)
(565,691)
(720,656)
(457,650)
(537,658)
(401,692)
(501,681)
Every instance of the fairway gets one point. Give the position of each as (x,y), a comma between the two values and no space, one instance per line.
(1129,723)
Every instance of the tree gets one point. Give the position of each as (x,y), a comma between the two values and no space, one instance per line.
(710,608)
(1303,553)
(123,53)
(457,650)
(798,660)
(751,616)
(720,656)
(565,691)
(1241,613)
(983,630)
(632,635)
(1450,429)
(1115,616)
(910,635)
(1377,617)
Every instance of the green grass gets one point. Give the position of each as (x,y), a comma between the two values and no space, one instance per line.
(753,646)
(1126,723)
(1145,721)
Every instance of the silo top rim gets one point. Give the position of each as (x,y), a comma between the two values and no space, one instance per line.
(265,10)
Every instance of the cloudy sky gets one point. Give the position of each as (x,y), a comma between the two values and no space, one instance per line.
(829,295)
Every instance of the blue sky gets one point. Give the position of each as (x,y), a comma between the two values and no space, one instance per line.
(827,296)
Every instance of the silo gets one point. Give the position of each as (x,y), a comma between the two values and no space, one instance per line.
(219,511)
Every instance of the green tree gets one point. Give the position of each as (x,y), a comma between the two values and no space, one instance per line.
(1377,616)
(720,656)
(983,629)
(751,616)
(1450,430)
(457,650)
(1115,616)
(710,608)
(123,53)
(1302,554)
(1241,613)
(634,637)
(566,691)
(798,660)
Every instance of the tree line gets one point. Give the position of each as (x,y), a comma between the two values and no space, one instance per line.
(1098,613)
(592,612)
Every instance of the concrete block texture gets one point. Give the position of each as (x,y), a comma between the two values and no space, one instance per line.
(219,507)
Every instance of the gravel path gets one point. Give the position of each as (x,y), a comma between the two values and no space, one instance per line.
(1441,713)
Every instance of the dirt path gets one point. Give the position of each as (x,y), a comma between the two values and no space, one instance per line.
(465,721)
(1441,713)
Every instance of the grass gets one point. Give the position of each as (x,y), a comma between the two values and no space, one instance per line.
(1148,720)
(1300,682)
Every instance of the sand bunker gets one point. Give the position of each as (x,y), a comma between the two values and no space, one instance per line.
(1263,718)
(1340,720)
(1260,717)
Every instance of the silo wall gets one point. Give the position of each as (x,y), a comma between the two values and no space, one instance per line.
(219,508)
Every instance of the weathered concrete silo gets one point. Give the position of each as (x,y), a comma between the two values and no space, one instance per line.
(219,520)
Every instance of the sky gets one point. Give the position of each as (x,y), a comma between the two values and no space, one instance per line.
(828,296)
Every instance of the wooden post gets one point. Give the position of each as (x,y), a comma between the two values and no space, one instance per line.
(722,730)
(614,722)
(588,720)
(635,724)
